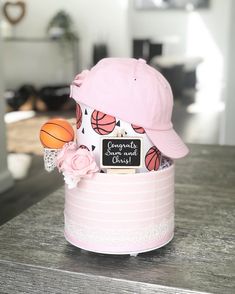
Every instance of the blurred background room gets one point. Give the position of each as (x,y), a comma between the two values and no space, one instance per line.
(44,44)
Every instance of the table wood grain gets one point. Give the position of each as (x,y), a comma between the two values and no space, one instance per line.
(35,257)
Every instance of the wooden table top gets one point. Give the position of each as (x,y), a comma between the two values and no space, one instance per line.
(35,257)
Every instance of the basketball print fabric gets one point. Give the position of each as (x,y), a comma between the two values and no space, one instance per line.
(153,159)
(84,147)
(78,116)
(138,129)
(102,124)
(87,136)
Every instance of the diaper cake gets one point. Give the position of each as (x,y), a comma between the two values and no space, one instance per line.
(119,169)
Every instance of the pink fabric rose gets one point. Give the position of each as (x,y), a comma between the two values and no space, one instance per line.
(64,156)
(76,164)
(80,77)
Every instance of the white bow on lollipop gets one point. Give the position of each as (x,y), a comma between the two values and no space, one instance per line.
(50,156)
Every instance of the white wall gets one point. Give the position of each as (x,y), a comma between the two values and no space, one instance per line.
(206,33)
(228,130)
(159,26)
(208,38)
(201,33)
(94,21)
(198,33)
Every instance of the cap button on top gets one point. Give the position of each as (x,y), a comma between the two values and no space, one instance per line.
(138,67)
(142,60)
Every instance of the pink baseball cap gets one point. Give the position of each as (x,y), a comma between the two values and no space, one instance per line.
(135,92)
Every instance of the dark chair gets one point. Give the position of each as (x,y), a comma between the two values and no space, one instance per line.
(141,48)
(190,79)
(175,77)
(155,49)
(100,51)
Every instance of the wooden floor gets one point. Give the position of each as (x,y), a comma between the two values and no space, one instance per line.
(193,128)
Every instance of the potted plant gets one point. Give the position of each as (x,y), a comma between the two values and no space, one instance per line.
(60,27)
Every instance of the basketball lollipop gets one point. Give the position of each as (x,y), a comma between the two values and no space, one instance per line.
(138,129)
(79,116)
(53,135)
(153,159)
(102,124)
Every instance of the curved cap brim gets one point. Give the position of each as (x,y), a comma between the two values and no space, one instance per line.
(168,142)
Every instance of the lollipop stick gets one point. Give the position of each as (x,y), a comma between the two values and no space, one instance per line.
(50,156)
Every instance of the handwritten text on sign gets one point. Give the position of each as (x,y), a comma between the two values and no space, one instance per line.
(121,152)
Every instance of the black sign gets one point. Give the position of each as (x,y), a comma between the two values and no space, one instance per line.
(121,152)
